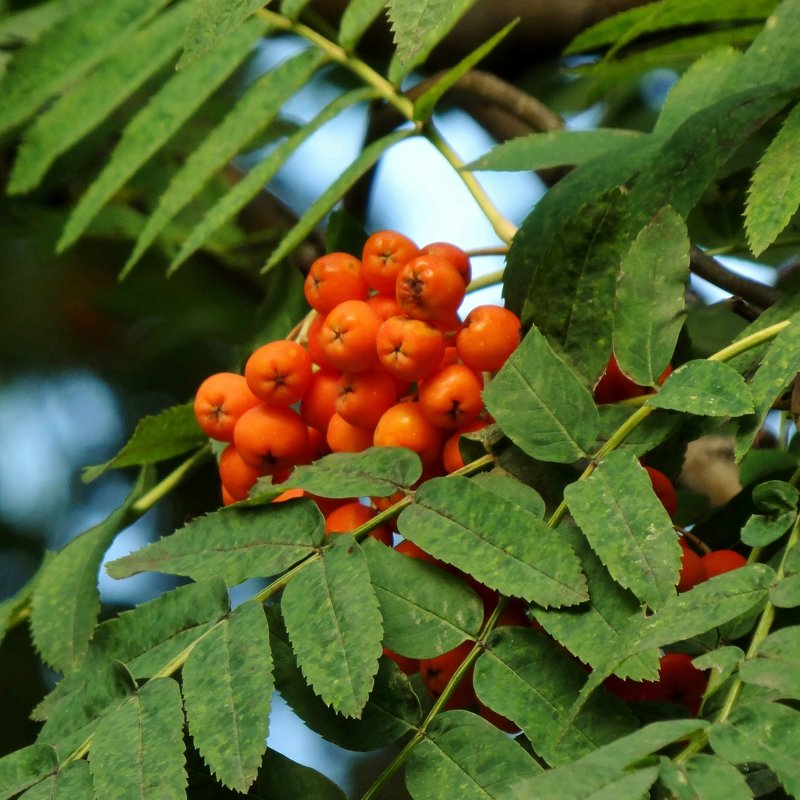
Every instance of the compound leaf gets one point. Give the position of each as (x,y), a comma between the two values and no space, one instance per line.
(356,19)
(704,777)
(498,542)
(137,751)
(465,756)
(333,619)
(227,690)
(236,543)
(540,403)
(25,767)
(777,663)
(282,777)
(73,780)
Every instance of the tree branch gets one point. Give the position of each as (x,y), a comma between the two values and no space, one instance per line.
(708,268)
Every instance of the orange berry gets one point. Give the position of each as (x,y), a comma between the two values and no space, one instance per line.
(271,438)
(279,372)
(404,425)
(220,400)
(227,498)
(236,475)
(407,665)
(314,350)
(430,288)
(718,561)
(408,348)
(436,673)
(318,404)
(347,337)
(385,304)
(332,279)
(385,253)
(317,444)
(490,334)
(350,516)
(342,437)
(664,490)
(692,569)
(455,255)
(451,397)
(364,396)
(451,453)
(289,494)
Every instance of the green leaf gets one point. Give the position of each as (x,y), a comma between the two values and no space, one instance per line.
(257,108)
(334,622)
(25,767)
(418,27)
(281,777)
(167,110)
(787,592)
(624,27)
(513,490)
(590,632)
(706,388)
(94,98)
(73,780)
(29,24)
(466,757)
(66,600)
(779,500)
(540,403)
(213,20)
(170,433)
(767,733)
(236,543)
(374,472)
(16,608)
(146,638)
(649,304)
(526,677)
(777,663)
(261,174)
(606,765)
(328,199)
(553,149)
(426,102)
(227,690)
(722,661)
(137,751)
(578,272)
(498,542)
(775,373)
(628,528)
(356,20)
(66,51)
(704,777)
(425,610)
(698,87)
(650,433)
(391,711)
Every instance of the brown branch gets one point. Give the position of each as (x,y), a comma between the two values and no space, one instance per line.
(708,268)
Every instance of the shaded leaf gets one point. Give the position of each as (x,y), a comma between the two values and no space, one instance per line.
(282,777)
(259,175)
(425,610)
(170,433)
(334,623)
(628,527)
(256,109)
(553,149)
(777,663)
(465,756)
(774,193)
(166,111)
(66,598)
(773,376)
(236,543)
(227,690)
(73,780)
(66,51)
(767,733)
(704,777)
(213,20)
(722,661)
(328,199)
(706,388)
(650,433)
(786,593)
(356,19)
(28,24)
(137,751)
(391,711)
(374,472)
(498,542)
(418,27)
(590,631)
(79,111)
(649,304)
(778,500)
(25,767)
(540,403)
(17,607)
(526,677)
(426,102)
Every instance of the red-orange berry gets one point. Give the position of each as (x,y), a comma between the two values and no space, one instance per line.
(237,476)
(279,372)
(385,253)
(664,490)
(451,453)
(319,402)
(271,438)
(347,337)
(719,561)
(436,673)
(364,396)
(692,569)
(451,397)
(332,279)
(220,400)
(455,255)
(385,304)
(404,425)
(430,288)
(489,335)
(409,348)
(350,516)
(342,437)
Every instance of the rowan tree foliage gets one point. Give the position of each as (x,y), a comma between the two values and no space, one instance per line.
(553,510)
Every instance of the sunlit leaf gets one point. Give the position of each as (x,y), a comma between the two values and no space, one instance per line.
(73,780)
(777,663)
(704,777)
(25,767)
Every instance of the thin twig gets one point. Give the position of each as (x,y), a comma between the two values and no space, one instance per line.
(708,268)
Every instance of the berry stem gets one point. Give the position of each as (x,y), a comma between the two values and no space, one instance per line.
(491,279)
